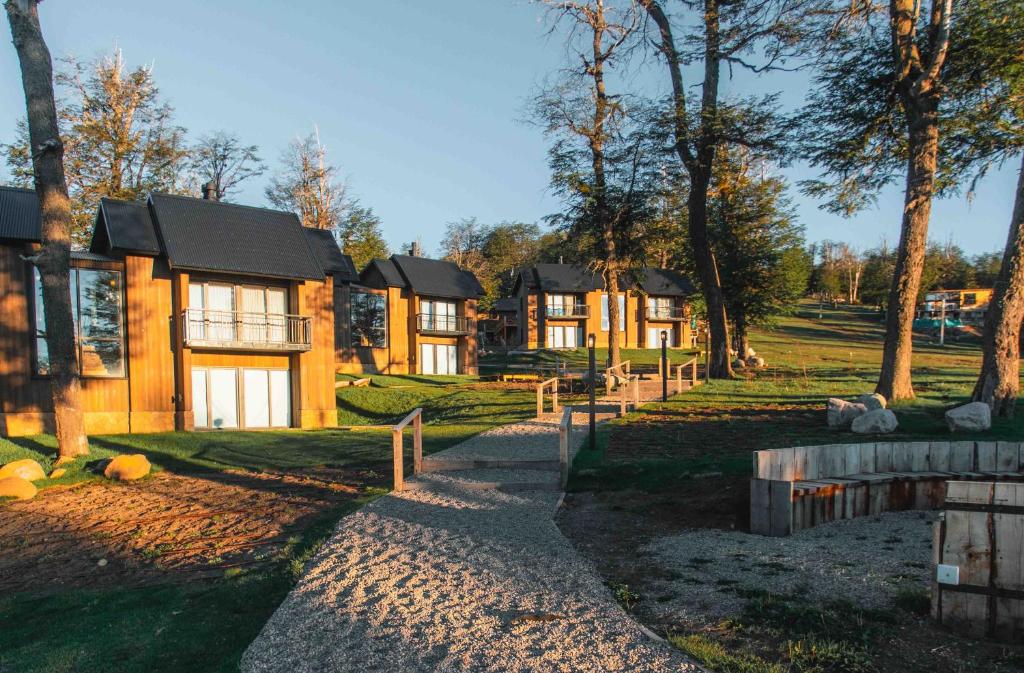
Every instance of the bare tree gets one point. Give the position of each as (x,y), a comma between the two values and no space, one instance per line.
(308,185)
(999,380)
(598,32)
(54,259)
(221,158)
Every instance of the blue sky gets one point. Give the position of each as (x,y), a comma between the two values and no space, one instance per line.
(419,103)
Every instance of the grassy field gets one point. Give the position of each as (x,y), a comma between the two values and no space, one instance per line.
(714,428)
(205,626)
(575,359)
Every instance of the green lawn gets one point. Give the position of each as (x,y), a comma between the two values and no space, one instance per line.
(715,427)
(455,408)
(205,626)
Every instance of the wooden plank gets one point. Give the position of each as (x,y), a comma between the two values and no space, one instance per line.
(812,462)
(938,456)
(782,507)
(902,457)
(1009,562)
(961,456)
(919,456)
(852,459)
(1007,456)
(883,457)
(787,464)
(760,507)
(867,458)
(986,457)
(396,453)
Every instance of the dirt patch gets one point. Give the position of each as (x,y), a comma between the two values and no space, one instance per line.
(627,534)
(165,528)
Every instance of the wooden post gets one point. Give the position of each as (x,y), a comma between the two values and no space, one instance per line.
(636,392)
(693,372)
(540,400)
(679,380)
(622,401)
(396,446)
(554,397)
(417,444)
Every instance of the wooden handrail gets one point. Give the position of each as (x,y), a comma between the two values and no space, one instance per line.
(692,363)
(553,383)
(416,418)
(610,373)
(564,443)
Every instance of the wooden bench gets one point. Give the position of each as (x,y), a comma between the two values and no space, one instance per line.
(806,486)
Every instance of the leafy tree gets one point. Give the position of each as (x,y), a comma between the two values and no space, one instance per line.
(119,136)
(463,244)
(54,259)
(360,234)
(876,279)
(986,268)
(307,184)
(759,247)
(717,32)
(918,95)
(221,158)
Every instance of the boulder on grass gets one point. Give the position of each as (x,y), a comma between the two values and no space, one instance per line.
(972,416)
(739,364)
(27,469)
(872,401)
(16,487)
(877,422)
(127,467)
(842,413)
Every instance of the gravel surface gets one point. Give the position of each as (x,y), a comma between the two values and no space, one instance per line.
(865,561)
(456,579)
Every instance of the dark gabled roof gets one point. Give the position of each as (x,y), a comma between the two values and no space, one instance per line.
(437,278)
(205,235)
(566,278)
(20,218)
(382,273)
(125,226)
(506,305)
(332,260)
(665,282)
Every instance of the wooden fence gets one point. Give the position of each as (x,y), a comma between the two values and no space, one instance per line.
(416,418)
(613,374)
(551,383)
(978,554)
(692,364)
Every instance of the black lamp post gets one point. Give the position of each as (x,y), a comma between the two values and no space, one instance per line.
(591,342)
(664,365)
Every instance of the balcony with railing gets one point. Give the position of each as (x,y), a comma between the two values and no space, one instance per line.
(443,325)
(567,311)
(666,313)
(235,330)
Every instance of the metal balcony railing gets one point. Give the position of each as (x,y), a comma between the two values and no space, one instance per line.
(204,328)
(450,325)
(666,313)
(567,311)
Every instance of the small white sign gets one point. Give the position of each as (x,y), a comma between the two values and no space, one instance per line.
(945,574)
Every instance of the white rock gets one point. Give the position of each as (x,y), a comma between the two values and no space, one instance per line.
(841,413)
(739,364)
(875,422)
(751,353)
(971,416)
(872,401)
(758,362)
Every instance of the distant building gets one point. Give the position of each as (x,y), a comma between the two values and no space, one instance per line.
(966,306)
(559,304)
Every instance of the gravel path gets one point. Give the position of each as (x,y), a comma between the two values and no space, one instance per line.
(457,579)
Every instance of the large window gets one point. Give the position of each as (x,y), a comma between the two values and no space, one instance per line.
(604,313)
(97,308)
(369,320)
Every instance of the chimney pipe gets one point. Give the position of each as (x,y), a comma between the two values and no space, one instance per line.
(210,191)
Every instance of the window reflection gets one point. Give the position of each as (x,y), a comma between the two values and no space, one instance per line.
(96,306)
(369,320)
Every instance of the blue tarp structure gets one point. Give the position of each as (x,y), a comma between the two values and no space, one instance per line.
(932,324)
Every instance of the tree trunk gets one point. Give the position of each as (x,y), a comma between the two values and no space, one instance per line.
(54,260)
(698,165)
(612,287)
(894,381)
(741,338)
(999,378)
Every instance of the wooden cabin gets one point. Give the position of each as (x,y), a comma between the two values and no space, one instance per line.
(189,314)
(560,304)
(408,315)
(968,306)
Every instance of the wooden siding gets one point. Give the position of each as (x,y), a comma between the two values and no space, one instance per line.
(313,371)
(150,356)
